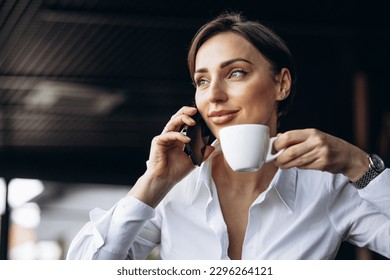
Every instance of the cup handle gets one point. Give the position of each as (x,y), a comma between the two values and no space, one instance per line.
(270,156)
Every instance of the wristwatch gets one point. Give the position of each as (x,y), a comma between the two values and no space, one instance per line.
(376,166)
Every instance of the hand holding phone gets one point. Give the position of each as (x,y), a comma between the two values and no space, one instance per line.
(200,137)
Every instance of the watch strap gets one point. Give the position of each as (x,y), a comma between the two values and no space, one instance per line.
(366,178)
(375,167)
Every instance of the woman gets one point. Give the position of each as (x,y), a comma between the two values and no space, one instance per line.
(301,206)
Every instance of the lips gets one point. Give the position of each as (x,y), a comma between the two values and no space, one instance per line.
(222,116)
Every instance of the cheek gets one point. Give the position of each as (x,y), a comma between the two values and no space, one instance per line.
(201,105)
(200,101)
(256,95)
(259,104)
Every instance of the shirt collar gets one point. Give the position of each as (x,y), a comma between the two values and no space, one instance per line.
(285,184)
(284,181)
(204,174)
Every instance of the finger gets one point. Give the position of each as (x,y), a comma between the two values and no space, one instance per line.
(176,123)
(187,110)
(172,136)
(183,116)
(293,152)
(305,161)
(316,164)
(292,137)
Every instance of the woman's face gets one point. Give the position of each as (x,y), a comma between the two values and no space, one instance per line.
(234,84)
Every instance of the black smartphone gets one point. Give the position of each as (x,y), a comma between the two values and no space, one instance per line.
(201,136)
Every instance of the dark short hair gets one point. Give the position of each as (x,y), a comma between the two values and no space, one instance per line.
(269,44)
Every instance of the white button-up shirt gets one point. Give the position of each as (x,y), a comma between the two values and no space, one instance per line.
(304,214)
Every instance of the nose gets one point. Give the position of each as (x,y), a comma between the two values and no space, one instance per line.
(217,92)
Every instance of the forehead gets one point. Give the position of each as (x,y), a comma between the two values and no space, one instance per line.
(225,46)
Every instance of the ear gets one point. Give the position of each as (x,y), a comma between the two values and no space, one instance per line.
(284,82)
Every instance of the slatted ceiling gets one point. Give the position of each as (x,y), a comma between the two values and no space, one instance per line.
(142,93)
(19,20)
(94,52)
(42,55)
(77,50)
(76,139)
(22,83)
(10,14)
(123,6)
(54,131)
(38,53)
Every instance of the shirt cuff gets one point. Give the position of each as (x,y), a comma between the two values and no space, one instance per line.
(378,191)
(128,219)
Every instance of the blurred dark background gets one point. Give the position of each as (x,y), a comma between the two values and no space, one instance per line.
(85,85)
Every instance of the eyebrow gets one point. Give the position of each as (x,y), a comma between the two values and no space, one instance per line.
(224,64)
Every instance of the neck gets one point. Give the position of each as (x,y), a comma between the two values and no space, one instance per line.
(240,182)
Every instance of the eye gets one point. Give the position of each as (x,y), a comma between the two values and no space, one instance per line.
(201,82)
(237,73)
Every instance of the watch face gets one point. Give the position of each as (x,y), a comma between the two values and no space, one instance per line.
(378,163)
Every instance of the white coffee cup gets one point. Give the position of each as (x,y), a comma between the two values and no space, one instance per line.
(247,147)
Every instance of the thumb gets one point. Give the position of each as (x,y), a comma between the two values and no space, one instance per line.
(278,143)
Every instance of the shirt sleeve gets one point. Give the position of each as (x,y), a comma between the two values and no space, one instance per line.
(363,216)
(377,192)
(115,234)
